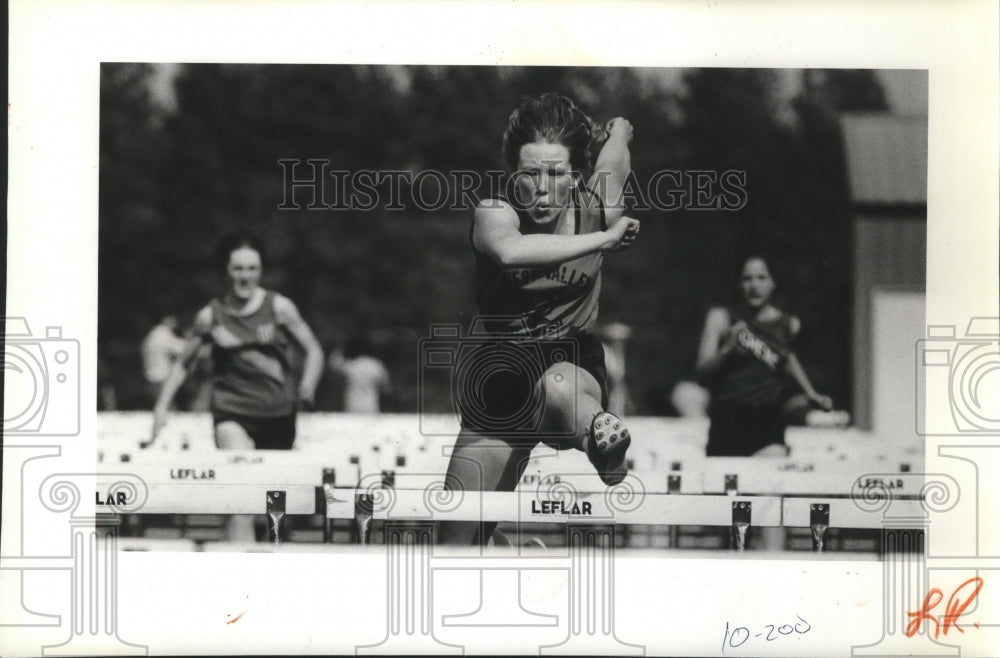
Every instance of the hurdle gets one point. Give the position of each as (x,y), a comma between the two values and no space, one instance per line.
(861,507)
(617,507)
(830,501)
(766,476)
(275,485)
(278,483)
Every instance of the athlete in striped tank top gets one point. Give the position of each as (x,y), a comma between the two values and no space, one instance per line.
(251,331)
(534,371)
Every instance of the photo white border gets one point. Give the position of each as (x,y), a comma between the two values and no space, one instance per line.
(178,603)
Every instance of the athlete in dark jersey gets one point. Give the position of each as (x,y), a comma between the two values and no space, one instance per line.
(548,311)
(746,359)
(552,301)
(537,373)
(250,329)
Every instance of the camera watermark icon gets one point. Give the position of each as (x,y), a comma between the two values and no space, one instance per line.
(966,369)
(905,521)
(91,558)
(496,382)
(411,507)
(41,381)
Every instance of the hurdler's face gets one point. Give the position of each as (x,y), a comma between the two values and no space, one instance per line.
(544,181)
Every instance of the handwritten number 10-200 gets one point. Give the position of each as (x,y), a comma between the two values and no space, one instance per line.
(739,635)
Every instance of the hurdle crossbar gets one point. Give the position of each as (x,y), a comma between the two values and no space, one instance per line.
(590,507)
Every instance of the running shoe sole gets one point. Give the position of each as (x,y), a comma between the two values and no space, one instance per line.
(607,442)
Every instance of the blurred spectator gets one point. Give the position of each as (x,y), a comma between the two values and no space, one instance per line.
(689,399)
(106,398)
(366,378)
(160,350)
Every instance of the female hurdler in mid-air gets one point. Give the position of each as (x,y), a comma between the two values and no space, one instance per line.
(538,258)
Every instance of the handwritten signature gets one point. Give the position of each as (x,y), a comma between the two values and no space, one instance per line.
(954,609)
(736,637)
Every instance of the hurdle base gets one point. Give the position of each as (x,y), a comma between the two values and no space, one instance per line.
(739,536)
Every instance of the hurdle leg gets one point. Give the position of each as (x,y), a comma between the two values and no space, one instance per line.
(321,509)
(324,495)
(673,487)
(741,523)
(363,512)
(275,515)
(819,523)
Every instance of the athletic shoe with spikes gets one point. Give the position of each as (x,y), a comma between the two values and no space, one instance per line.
(607,441)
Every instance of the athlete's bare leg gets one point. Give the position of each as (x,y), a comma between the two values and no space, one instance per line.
(230,435)
(572,399)
(481,463)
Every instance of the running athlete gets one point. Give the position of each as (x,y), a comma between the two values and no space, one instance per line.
(541,374)
(250,329)
(745,357)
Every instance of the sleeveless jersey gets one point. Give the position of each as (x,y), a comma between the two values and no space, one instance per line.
(252,373)
(551,302)
(754,374)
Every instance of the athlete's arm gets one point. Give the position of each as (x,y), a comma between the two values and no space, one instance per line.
(288,316)
(496,233)
(798,373)
(718,340)
(614,164)
(179,371)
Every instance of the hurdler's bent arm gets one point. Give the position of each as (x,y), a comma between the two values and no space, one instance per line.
(613,167)
(496,233)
